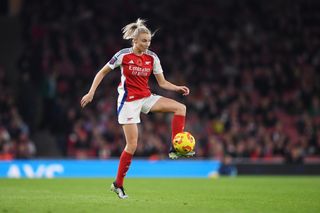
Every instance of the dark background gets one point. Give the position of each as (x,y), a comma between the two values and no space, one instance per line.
(252,67)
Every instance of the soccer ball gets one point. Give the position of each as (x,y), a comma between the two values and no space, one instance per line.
(184,142)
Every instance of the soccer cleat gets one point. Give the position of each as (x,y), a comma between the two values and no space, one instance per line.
(119,191)
(173,154)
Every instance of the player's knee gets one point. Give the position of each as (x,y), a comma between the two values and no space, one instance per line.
(131,147)
(181,109)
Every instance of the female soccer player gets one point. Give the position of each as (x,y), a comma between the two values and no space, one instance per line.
(136,64)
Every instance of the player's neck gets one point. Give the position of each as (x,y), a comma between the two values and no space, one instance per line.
(136,51)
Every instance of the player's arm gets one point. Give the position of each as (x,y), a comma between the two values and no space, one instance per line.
(163,83)
(96,81)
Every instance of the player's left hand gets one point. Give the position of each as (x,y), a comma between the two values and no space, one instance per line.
(183,90)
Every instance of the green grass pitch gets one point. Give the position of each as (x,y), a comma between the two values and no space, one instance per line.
(239,194)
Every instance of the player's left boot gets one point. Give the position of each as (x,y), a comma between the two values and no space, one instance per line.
(119,191)
(173,154)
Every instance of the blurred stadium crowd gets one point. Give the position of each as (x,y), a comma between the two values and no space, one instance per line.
(252,67)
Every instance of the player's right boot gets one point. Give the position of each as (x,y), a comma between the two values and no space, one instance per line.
(173,154)
(118,190)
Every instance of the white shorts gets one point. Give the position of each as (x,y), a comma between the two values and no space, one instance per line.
(129,112)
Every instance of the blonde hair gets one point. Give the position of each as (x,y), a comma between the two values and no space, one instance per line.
(132,30)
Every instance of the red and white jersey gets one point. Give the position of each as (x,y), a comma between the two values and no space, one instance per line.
(135,73)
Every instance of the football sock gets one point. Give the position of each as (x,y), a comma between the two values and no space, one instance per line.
(124,164)
(177,124)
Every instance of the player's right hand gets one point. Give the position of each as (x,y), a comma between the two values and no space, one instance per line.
(86,99)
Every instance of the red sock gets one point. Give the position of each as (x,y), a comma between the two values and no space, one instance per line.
(177,124)
(124,164)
